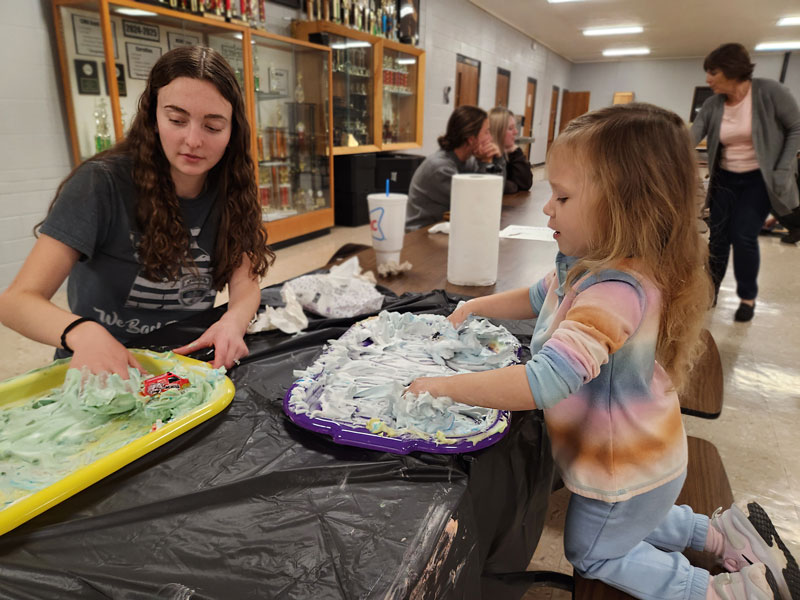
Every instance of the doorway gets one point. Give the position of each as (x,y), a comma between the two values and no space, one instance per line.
(468,76)
(527,122)
(573,104)
(503,84)
(551,130)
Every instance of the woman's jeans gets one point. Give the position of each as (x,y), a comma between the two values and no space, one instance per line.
(618,544)
(739,204)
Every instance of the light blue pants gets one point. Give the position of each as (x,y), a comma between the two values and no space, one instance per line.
(635,545)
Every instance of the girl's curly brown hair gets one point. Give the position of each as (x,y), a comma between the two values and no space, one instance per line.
(164,237)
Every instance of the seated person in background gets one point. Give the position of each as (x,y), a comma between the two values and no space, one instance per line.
(466,147)
(503,127)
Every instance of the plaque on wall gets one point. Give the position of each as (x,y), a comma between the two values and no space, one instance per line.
(89,37)
(121,87)
(141,58)
(232,52)
(176,39)
(279,81)
(141,31)
(622,98)
(87,77)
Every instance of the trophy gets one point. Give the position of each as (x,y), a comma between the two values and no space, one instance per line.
(256,70)
(102,136)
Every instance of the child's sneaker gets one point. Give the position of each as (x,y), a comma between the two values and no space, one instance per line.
(791,573)
(751,583)
(744,546)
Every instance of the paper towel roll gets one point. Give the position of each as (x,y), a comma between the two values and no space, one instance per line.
(475,203)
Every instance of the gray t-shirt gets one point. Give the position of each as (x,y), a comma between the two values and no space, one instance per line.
(94,214)
(429,191)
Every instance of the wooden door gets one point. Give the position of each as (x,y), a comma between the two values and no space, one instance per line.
(501,91)
(468,74)
(527,127)
(551,130)
(573,104)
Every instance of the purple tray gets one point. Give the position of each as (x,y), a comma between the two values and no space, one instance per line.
(352,435)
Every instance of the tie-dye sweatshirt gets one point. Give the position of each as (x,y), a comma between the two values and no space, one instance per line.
(611,411)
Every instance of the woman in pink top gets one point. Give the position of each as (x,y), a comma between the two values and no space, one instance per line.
(753,131)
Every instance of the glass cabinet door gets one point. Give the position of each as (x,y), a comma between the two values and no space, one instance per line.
(139,37)
(292,129)
(81,36)
(352,92)
(399,119)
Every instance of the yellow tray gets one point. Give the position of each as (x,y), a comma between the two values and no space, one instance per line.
(39,381)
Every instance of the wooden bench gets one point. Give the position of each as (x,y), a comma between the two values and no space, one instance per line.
(702,397)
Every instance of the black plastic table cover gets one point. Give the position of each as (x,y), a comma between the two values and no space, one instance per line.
(248,505)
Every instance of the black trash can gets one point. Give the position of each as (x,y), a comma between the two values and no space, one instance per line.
(357,175)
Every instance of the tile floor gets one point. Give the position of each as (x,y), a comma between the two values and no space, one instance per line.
(762,386)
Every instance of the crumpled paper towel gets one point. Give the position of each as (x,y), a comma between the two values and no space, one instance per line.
(289,318)
(341,293)
(441,228)
(392,268)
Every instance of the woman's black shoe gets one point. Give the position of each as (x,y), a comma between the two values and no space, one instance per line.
(744,312)
(792,237)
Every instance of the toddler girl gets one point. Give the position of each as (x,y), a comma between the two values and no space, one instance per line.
(618,324)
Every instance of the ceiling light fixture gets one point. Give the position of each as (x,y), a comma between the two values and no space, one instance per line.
(789,21)
(625,51)
(134,12)
(794,45)
(613,30)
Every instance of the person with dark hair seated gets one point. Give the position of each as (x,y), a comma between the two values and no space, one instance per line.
(466,147)
(753,131)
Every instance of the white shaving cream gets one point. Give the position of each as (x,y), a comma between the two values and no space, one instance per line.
(360,378)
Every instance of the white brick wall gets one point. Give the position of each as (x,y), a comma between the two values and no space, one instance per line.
(34,151)
(451,27)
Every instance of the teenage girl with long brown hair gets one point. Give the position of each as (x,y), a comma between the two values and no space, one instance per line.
(150,230)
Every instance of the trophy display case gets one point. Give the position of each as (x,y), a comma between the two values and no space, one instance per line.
(353,92)
(402,96)
(292,122)
(377,88)
(107,48)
